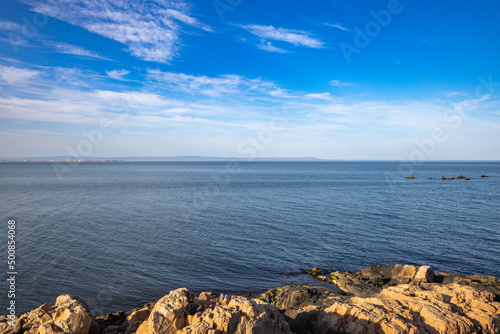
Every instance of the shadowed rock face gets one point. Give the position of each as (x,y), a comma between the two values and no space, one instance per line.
(379,299)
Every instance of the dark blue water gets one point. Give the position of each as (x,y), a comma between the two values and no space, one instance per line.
(123,234)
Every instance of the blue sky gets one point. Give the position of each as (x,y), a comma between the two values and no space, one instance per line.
(395,80)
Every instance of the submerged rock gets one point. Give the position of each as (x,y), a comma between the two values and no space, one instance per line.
(315,272)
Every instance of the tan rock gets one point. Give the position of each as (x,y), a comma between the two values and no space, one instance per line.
(424,274)
(72,315)
(169,313)
(46,328)
(226,314)
(405,308)
(136,318)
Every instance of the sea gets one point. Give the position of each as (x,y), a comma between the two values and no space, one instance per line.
(121,234)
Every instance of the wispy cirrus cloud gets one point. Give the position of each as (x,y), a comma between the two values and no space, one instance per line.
(338,83)
(338,26)
(17,76)
(319,96)
(10,26)
(271,48)
(117,74)
(295,37)
(211,86)
(73,50)
(184,18)
(150,30)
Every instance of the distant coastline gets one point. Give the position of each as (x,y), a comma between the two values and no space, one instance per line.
(159,159)
(203,159)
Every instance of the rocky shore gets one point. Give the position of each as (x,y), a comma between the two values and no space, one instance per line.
(379,299)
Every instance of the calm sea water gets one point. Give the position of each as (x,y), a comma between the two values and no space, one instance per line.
(123,234)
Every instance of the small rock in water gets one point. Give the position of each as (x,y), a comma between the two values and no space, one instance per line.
(443,178)
(409,177)
(315,272)
(460,177)
(484,175)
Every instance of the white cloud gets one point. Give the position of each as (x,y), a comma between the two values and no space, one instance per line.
(469,105)
(211,86)
(17,76)
(295,37)
(182,17)
(73,50)
(10,26)
(338,83)
(135,98)
(62,110)
(117,74)
(319,96)
(271,48)
(453,94)
(338,26)
(150,30)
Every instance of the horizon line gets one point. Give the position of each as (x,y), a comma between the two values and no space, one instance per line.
(189,158)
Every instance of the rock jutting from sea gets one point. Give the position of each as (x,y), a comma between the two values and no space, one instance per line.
(379,299)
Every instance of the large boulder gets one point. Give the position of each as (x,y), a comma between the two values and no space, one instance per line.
(70,314)
(181,312)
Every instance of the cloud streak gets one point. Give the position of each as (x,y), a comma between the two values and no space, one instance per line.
(117,74)
(337,26)
(338,83)
(73,50)
(211,86)
(10,26)
(270,48)
(150,30)
(17,76)
(295,37)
